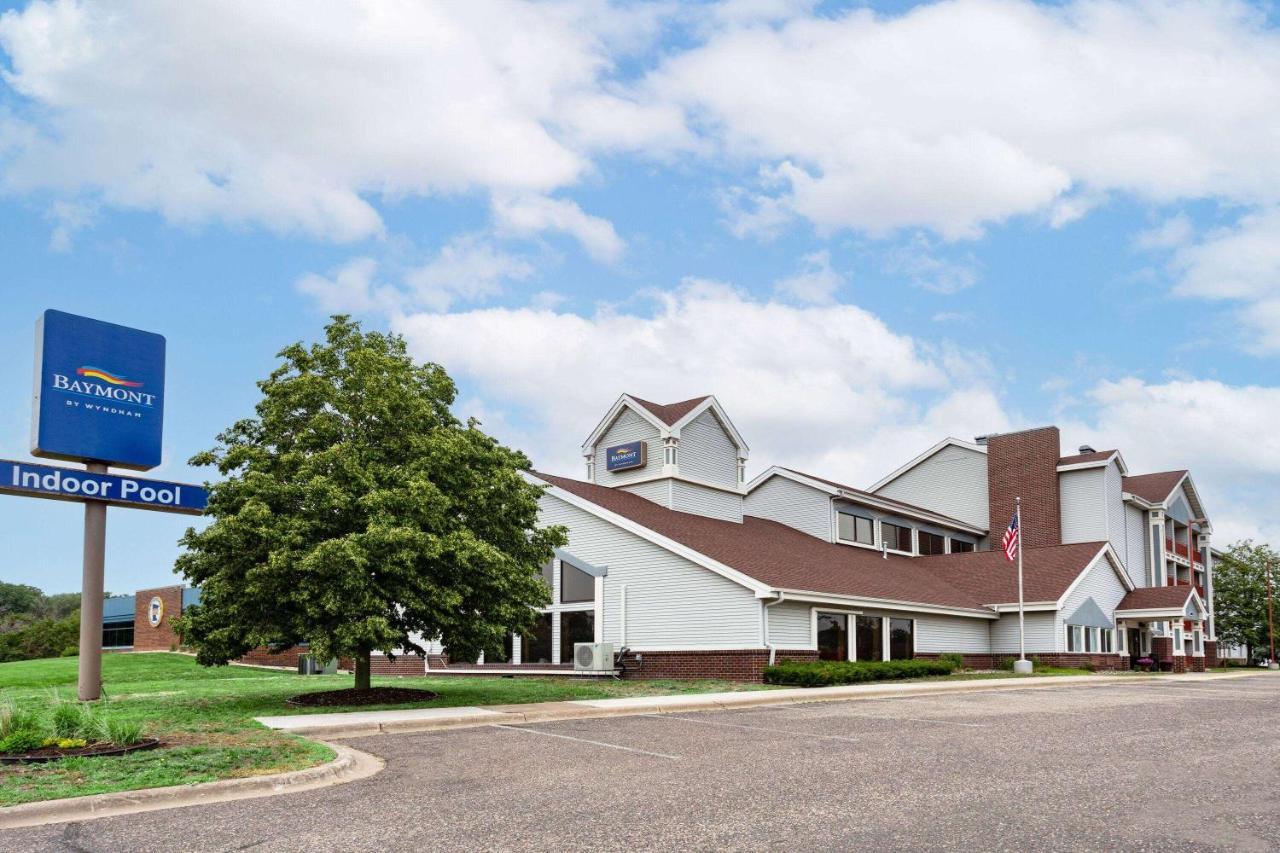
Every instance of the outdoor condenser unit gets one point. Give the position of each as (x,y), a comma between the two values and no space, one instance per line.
(308,665)
(593,657)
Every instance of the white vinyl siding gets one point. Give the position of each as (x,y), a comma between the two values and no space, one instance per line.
(1135,551)
(658,491)
(952,634)
(707,453)
(794,504)
(1042,633)
(1082,496)
(1102,585)
(690,497)
(628,426)
(790,625)
(1113,494)
(671,602)
(952,481)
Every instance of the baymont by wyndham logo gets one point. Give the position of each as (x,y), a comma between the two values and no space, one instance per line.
(95,382)
(624,455)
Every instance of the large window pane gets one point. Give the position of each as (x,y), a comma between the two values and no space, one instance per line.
(901,639)
(549,572)
(870,638)
(855,528)
(895,536)
(833,636)
(575,584)
(576,626)
(931,543)
(959,546)
(535,647)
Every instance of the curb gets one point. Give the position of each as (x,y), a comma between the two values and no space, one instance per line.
(473,717)
(350,765)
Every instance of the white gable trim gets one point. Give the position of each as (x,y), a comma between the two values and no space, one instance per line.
(712,404)
(1113,559)
(658,539)
(884,604)
(623,402)
(1179,612)
(946,442)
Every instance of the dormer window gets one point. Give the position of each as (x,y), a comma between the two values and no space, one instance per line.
(932,543)
(896,537)
(856,528)
(959,546)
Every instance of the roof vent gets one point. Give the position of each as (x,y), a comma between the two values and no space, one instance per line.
(1084,448)
(980,440)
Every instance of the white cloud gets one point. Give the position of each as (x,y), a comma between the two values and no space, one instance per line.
(299,116)
(468,269)
(1225,434)
(829,388)
(815,283)
(918,263)
(959,114)
(1174,232)
(529,215)
(349,289)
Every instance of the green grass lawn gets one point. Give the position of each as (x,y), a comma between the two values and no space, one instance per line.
(205,716)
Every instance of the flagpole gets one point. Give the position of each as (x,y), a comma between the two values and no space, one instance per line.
(1023,666)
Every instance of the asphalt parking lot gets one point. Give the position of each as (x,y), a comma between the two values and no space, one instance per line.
(1188,766)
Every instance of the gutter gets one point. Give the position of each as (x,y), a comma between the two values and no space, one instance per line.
(764,625)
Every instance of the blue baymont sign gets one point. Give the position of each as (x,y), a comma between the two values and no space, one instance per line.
(624,457)
(99,393)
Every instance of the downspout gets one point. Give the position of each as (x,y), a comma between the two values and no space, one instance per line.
(764,626)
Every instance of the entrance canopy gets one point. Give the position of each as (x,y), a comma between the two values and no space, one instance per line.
(1162,602)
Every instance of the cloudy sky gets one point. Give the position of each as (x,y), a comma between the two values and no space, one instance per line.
(863,226)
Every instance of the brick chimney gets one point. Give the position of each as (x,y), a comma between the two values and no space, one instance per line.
(1025,464)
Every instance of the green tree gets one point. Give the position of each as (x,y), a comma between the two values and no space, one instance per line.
(357,514)
(1240,594)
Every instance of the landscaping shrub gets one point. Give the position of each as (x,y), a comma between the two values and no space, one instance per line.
(124,732)
(67,719)
(825,673)
(1006,664)
(22,740)
(953,659)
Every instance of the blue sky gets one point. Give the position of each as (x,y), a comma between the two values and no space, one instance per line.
(864,227)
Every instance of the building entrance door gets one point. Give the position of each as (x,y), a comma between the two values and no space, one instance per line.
(1135,646)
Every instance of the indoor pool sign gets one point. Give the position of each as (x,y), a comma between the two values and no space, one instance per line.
(99,394)
(624,457)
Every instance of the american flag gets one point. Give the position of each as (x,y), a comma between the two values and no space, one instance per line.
(1010,540)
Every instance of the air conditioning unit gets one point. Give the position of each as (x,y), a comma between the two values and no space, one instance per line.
(593,657)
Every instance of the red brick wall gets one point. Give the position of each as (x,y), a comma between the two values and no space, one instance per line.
(162,637)
(729,664)
(1025,464)
(402,665)
(262,656)
(1099,662)
(1211,653)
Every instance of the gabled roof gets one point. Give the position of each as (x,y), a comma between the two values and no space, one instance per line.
(667,418)
(833,488)
(1048,572)
(781,558)
(946,442)
(670,413)
(1154,488)
(1157,598)
(1095,456)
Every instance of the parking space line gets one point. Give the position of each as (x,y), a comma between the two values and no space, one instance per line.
(583,740)
(754,728)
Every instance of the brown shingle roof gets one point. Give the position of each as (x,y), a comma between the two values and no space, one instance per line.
(1046,572)
(1080,458)
(1153,487)
(784,558)
(882,499)
(1156,597)
(670,413)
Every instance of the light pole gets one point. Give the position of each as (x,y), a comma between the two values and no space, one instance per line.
(1271,623)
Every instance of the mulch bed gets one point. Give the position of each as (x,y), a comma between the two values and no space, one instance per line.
(352,696)
(53,753)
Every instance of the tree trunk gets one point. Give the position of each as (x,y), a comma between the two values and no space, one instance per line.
(362,670)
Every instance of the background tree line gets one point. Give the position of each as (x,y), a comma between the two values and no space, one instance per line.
(35,625)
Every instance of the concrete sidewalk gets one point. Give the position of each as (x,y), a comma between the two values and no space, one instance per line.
(363,723)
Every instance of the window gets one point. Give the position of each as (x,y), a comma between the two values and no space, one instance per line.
(895,536)
(1075,638)
(869,638)
(549,573)
(932,543)
(1199,642)
(833,636)
(575,584)
(902,644)
(959,546)
(576,626)
(117,636)
(1090,639)
(1108,641)
(855,528)
(535,647)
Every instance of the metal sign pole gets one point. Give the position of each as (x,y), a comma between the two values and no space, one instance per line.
(91,591)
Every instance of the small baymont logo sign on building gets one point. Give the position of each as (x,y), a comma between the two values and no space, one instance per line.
(624,457)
